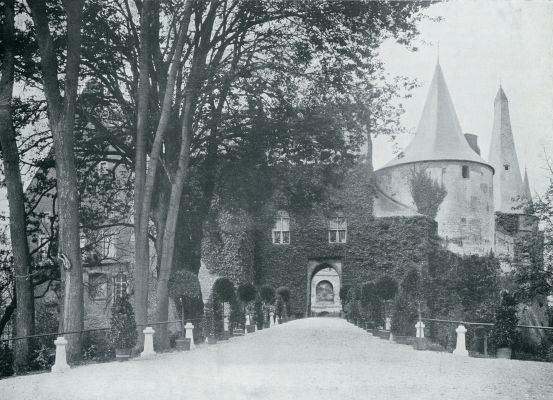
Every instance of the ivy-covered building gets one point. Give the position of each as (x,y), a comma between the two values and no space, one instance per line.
(439,194)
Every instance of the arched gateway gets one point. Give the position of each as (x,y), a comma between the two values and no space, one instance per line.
(324,288)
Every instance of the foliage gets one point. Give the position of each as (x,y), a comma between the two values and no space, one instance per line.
(267,294)
(284,293)
(404,315)
(42,358)
(97,347)
(386,287)
(427,193)
(217,313)
(504,332)
(6,360)
(258,316)
(280,306)
(224,289)
(236,318)
(208,321)
(344,289)
(122,331)
(247,292)
(184,283)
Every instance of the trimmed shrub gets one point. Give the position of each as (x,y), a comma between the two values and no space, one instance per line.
(247,292)
(267,294)
(344,290)
(284,293)
(217,312)
(404,315)
(236,318)
(224,289)
(208,322)
(258,316)
(122,333)
(504,332)
(280,306)
(386,288)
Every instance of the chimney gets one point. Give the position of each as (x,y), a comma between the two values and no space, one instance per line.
(473,142)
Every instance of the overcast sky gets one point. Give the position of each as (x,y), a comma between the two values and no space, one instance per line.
(481,43)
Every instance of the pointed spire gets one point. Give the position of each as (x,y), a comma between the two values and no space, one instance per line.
(439,135)
(527,192)
(508,185)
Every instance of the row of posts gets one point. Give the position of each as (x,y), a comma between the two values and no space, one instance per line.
(60,364)
(460,348)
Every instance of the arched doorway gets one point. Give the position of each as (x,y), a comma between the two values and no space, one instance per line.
(324,290)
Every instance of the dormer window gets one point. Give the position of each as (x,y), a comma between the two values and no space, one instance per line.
(281,230)
(506,166)
(337,229)
(465,172)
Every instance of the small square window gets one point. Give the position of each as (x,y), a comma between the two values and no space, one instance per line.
(465,171)
(506,166)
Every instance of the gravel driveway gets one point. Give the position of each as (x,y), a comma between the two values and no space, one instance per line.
(316,358)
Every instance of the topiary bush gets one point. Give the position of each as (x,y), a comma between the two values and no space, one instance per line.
(280,306)
(237,318)
(247,292)
(258,316)
(504,333)
(224,289)
(122,332)
(217,312)
(284,293)
(344,295)
(267,294)
(208,321)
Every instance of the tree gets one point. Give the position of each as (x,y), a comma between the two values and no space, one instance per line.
(24,318)
(427,193)
(61,118)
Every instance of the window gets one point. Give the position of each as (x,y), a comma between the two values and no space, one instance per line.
(465,171)
(506,166)
(337,229)
(108,246)
(281,231)
(120,284)
(98,286)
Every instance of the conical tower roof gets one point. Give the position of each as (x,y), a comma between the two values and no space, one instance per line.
(526,183)
(508,186)
(439,135)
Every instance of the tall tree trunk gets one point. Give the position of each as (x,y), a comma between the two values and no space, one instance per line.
(61,117)
(142,253)
(24,317)
(143,200)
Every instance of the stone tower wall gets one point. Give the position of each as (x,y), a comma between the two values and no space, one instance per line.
(466,216)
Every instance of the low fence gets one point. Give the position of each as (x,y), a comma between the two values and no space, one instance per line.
(95,345)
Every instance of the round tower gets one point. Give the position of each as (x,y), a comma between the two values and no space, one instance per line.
(440,151)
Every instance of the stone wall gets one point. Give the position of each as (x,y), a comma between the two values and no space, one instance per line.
(466,216)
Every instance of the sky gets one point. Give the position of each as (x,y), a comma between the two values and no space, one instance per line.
(483,43)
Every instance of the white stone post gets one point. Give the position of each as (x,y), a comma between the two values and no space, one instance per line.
(148,342)
(189,328)
(60,365)
(226,324)
(461,349)
(420,329)
(247,324)
(271,319)
(388,323)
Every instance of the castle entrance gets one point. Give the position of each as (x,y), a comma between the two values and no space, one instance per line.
(324,290)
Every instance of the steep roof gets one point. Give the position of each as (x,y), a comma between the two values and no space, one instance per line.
(508,186)
(439,135)
(527,192)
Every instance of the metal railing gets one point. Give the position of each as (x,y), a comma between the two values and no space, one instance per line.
(484,323)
